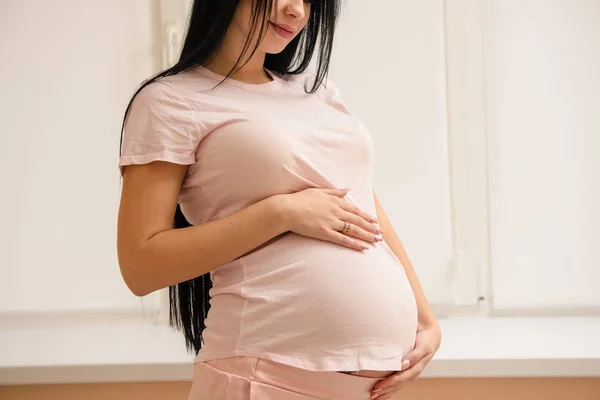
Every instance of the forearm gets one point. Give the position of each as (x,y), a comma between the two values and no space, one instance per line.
(178,255)
(426,316)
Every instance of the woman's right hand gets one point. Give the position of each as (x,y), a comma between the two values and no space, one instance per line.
(320,214)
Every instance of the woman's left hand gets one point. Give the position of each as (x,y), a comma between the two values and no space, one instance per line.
(427,342)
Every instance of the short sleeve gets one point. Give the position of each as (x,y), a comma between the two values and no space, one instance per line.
(160,126)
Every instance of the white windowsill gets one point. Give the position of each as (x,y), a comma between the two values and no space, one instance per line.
(471,347)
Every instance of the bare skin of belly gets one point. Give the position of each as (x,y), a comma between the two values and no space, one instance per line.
(373,374)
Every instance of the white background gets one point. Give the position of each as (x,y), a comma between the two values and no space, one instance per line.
(542,78)
(484,115)
(73,65)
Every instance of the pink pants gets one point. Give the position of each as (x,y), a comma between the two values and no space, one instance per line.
(251,378)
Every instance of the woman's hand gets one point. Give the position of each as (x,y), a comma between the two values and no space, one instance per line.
(319,213)
(427,343)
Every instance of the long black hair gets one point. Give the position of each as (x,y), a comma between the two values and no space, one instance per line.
(209,20)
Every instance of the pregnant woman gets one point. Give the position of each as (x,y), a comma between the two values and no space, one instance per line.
(247,190)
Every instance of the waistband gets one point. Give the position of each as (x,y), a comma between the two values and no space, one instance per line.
(322,384)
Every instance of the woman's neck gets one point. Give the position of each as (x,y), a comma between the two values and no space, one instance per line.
(253,72)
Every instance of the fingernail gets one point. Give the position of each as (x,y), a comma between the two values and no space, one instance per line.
(379,238)
(405,363)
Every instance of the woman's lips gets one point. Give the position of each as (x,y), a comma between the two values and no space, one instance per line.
(282,31)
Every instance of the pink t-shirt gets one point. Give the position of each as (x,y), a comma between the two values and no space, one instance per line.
(296,300)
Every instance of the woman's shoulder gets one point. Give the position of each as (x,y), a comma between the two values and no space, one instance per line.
(161,88)
(186,82)
(184,89)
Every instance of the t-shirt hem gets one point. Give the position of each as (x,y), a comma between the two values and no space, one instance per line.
(328,363)
(159,156)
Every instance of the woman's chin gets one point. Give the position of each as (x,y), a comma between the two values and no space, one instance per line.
(274,44)
(275,48)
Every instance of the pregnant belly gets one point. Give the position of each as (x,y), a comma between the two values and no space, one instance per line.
(323,298)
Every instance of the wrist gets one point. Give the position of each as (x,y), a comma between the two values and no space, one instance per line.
(279,208)
(428,323)
(427,320)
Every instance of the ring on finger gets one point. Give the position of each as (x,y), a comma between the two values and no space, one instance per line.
(346,228)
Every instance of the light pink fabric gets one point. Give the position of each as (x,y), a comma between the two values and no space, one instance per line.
(304,302)
(252,378)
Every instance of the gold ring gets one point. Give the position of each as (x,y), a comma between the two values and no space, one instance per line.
(346,227)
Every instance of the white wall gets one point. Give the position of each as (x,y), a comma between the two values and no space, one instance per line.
(542,68)
(74,64)
(67,72)
(389,65)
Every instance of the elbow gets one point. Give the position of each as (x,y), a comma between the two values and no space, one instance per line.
(136,286)
(134,281)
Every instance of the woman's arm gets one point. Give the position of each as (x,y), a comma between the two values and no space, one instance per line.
(152,255)
(428,336)
(426,317)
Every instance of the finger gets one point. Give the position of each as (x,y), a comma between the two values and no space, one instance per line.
(412,373)
(358,232)
(413,357)
(352,208)
(345,240)
(385,393)
(367,228)
(382,397)
(400,378)
(384,384)
(336,192)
